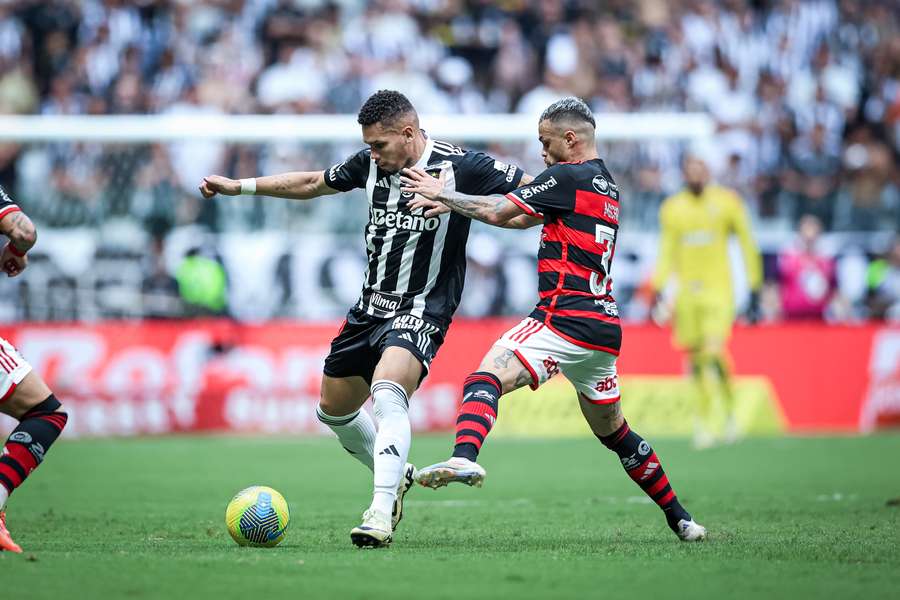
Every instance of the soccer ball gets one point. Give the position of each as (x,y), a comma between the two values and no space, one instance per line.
(257,516)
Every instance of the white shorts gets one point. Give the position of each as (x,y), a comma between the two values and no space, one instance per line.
(13,369)
(544,354)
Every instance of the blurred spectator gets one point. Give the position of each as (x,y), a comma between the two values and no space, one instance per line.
(868,198)
(883,281)
(159,290)
(805,96)
(807,277)
(785,81)
(485,288)
(811,175)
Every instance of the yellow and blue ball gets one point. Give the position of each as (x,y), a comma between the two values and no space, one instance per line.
(257,516)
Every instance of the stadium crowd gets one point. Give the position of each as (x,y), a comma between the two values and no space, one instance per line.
(805,95)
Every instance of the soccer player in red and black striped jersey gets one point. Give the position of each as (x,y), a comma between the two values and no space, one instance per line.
(23,394)
(574,329)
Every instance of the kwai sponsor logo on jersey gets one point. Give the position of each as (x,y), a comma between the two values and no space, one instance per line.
(539,188)
(393,219)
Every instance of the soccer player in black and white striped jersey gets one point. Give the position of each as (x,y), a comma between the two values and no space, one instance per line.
(23,394)
(416,269)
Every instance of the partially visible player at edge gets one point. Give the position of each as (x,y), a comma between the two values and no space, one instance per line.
(23,394)
(574,329)
(695,226)
(416,268)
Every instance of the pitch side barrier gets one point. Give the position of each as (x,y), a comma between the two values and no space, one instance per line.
(131,378)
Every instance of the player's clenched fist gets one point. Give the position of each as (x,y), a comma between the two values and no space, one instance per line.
(217,184)
(12,261)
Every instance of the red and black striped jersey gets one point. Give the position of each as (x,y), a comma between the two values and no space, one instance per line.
(579,203)
(7,206)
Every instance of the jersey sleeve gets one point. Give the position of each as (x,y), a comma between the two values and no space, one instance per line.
(549,194)
(7,206)
(349,174)
(481,175)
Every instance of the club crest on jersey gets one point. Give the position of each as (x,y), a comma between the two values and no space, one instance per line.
(603,186)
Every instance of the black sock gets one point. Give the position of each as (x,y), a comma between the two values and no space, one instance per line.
(29,442)
(642,465)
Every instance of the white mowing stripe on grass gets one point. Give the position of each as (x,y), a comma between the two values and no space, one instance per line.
(469,503)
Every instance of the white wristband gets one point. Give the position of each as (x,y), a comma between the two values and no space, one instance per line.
(248,186)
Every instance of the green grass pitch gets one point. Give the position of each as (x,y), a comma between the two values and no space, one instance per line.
(788,518)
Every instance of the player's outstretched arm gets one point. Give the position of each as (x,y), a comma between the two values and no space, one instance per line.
(494,210)
(295,185)
(522,222)
(16,226)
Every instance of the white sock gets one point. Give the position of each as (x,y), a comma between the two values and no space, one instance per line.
(391,443)
(355,432)
(4,495)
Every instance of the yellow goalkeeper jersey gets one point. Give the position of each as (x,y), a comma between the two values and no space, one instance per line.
(694,243)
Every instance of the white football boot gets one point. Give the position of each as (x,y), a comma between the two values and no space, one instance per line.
(406,482)
(690,531)
(703,438)
(732,430)
(374,532)
(457,469)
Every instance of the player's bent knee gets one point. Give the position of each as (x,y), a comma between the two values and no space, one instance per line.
(29,392)
(342,396)
(401,366)
(603,419)
(336,409)
(505,365)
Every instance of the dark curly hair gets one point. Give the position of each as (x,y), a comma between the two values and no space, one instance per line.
(385,107)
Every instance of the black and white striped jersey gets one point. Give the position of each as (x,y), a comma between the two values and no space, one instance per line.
(417,265)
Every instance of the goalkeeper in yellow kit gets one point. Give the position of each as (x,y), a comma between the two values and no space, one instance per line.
(696,225)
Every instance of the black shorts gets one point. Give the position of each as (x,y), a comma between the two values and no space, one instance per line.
(362,339)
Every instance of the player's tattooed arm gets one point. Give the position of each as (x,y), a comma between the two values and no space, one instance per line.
(522,222)
(294,185)
(20,231)
(493,210)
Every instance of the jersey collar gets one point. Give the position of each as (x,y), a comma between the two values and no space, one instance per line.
(426,154)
